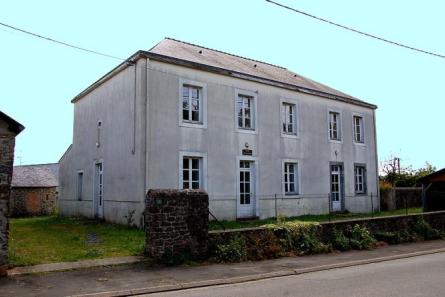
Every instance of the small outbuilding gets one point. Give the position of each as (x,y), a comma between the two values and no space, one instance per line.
(433,192)
(34,190)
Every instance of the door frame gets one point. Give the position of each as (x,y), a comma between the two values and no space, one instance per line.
(254,187)
(341,186)
(98,209)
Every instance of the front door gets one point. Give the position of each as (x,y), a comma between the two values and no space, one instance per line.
(98,191)
(336,186)
(246,198)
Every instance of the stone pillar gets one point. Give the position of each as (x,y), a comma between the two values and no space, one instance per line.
(176,223)
(6,162)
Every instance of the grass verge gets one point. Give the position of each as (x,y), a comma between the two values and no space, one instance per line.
(52,239)
(308,218)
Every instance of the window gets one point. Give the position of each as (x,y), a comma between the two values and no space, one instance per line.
(290,178)
(245,112)
(289,118)
(360,179)
(79,187)
(191,104)
(191,173)
(358,129)
(334,126)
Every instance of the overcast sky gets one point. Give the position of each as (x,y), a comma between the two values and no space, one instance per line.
(39,78)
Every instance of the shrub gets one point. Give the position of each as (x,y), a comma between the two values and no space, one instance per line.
(300,237)
(264,245)
(361,239)
(425,231)
(388,237)
(340,241)
(233,251)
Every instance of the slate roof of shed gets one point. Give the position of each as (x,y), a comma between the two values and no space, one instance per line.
(198,54)
(14,126)
(38,176)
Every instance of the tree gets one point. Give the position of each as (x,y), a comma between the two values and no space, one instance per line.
(399,176)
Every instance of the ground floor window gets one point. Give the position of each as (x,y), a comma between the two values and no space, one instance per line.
(360,179)
(290,178)
(191,172)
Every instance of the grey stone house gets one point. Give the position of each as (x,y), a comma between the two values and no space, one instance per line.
(34,190)
(9,129)
(185,116)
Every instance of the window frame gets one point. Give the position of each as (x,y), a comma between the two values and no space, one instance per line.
(339,138)
(364,181)
(296,123)
(354,116)
(202,168)
(203,104)
(297,172)
(254,113)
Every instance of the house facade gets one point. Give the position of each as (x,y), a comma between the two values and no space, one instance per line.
(261,140)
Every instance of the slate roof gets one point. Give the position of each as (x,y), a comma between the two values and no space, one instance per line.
(202,55)
(190,55)
(42,176)
(14,126)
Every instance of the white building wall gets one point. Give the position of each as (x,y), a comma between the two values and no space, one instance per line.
(126,177)
(223,144)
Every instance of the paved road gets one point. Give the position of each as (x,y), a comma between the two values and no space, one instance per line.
(422,276)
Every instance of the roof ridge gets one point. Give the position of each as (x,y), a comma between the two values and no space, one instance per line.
(29,165)
(219,51)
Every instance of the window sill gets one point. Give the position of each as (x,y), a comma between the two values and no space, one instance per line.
(360,143)
(291,195)
(361,194)
(193,125)
(289,135)
(246,130)
(340,141)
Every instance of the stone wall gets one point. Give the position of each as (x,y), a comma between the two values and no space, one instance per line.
(377,224)
(6,161)
(398,198)
(176,223)
(32,201)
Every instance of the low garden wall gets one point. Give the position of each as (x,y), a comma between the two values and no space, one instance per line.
(399,198)
(298,238)
(176,224)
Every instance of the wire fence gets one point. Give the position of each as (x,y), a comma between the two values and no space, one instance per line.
(327,203)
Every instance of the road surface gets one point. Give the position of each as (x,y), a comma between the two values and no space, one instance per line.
(422,276)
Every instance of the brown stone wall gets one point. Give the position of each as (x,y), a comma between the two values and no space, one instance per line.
(32,201)
(6,161)
(176,223)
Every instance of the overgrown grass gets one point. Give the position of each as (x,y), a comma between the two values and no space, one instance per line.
(57,239)
(308,218)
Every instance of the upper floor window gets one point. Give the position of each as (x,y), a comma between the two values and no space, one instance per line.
(191,172)
(358,129)
(360,179)
(334,126)
(290,178)
(245,106)
(191,104)
(289,118)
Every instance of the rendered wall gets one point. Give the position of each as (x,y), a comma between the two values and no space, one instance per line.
(223,144)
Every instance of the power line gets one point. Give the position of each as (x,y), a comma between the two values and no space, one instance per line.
(357,31)
(60,42)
